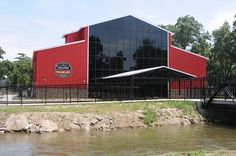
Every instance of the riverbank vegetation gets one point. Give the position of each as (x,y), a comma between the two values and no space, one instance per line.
(203,153)
(186,106)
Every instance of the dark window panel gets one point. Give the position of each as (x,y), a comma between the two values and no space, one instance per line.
(106,49)
(99,62)
(106,63)
(164,62)
(119,47)
(91,74)
(164,54)
(113,50)
(98,73)
(126,38)
(146,63)
(159,62)
(152,36)
(120,38)
(126,53)
(133,24)
(133,37)
(146,49)
(139,26)
(92,46)
(152,62)
(91,62)
(113,63)
(164,41)
(112,72)
(105,72)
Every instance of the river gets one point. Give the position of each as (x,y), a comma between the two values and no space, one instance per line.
(130,142)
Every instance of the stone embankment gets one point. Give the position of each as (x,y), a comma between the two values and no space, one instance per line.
(40,122)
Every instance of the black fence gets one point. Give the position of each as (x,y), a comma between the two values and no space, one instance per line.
(198,88)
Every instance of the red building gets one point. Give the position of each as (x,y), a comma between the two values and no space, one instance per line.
(123,51)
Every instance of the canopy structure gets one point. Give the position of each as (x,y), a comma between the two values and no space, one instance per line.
(161,72)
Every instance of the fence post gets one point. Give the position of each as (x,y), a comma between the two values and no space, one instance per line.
(179,89)
(21,96)
(184,90)
(169,87)
(45,96)
(95,91)
(191,89)
(203,90)
(70,93)
(7,94)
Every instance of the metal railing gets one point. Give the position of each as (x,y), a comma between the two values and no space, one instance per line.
(198,88)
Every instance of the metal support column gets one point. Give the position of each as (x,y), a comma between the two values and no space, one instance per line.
(132,87)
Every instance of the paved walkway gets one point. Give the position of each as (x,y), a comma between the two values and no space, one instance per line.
(13,100)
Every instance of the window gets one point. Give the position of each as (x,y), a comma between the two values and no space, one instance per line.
(125,44)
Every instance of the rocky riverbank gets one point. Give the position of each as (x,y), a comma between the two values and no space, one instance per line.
(40,122)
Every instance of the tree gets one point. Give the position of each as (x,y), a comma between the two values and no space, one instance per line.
(189,34)
(221,53)
(22,72)
(2,52)
(233,45)
(6,68)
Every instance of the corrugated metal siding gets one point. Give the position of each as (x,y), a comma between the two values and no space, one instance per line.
(187,62)
(76,36)
(44,62)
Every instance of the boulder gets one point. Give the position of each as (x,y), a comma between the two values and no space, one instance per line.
(48,126)
(17,123)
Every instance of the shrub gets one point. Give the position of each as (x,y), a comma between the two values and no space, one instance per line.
(149,116)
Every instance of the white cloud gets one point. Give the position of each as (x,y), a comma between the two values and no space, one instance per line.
(219,19)
(51,3)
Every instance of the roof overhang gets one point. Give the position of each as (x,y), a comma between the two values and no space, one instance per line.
(162,72)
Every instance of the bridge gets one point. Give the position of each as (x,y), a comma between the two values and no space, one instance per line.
(220,95)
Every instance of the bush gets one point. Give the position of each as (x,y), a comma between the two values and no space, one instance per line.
(149,116)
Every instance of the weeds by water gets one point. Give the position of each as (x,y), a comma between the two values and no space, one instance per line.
(202,153)
(149,116)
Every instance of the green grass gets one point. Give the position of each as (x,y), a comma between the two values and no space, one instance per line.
(202,153)
(186,107)
(149,116)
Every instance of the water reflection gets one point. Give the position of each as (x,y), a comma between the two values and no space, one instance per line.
(120,142)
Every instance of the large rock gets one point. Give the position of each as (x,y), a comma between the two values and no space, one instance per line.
(16,123)
(48,126)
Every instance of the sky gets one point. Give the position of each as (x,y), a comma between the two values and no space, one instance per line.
(28,25)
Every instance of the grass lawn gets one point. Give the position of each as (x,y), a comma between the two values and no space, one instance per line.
(186,106)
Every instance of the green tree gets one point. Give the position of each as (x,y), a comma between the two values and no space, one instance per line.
(189,34)
(2,52)
(222,54)
(22,72)
(6,68)
(233,45)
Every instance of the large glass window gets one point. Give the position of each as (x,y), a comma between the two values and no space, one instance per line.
(125,44)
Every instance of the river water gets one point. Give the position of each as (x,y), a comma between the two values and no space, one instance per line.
(130,142)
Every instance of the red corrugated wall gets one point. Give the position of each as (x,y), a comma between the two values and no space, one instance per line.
(76,36)
(75,54)
(187,62)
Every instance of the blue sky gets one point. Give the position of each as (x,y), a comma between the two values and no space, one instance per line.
(27,25)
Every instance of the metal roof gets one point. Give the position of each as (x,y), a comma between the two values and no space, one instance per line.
(171,73)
